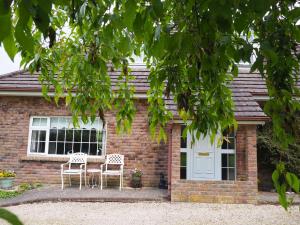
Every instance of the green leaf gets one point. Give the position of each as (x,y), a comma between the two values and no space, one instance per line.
(5,26)
(9,217)
(138,25)
(158,8)
(5,6)
(275,176)
(270,54)
(294,14)
(24,39)
(296,184)
(130,12)
(10,46)
(41,18)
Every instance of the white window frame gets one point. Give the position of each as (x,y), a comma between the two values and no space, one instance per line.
(47,129)
(230,151)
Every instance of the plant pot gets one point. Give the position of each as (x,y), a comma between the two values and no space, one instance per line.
(6,182)
(136,181)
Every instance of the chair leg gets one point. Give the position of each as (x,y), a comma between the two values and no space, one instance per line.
(120,182)
(70,181)
(105,180)
(101,181)
(80,182)
(62,181)
(85,178)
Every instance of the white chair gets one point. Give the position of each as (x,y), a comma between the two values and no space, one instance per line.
(75,159)
(113,160)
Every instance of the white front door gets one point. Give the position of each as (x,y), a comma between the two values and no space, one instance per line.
(204,159)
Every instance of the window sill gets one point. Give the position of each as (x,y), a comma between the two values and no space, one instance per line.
(62,159)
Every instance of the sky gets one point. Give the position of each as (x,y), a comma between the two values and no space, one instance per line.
(6,65)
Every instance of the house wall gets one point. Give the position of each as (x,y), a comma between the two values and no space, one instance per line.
(243,190)
(139,150)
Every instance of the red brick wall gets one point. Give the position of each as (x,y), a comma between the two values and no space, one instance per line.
(243,190)
(139,150)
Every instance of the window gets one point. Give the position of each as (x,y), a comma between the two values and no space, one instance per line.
(183,155)
(228,155)
(58,136)
(183,165)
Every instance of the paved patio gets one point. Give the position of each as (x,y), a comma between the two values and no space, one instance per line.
(55,194)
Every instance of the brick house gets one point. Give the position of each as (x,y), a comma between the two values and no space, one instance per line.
(36,136)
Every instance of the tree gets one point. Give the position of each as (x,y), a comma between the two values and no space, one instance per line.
(191,46)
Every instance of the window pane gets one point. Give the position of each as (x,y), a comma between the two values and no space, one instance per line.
(54,122)
(43,121)
(69,135)
(99,136)
(42,147)
(85,148)
(34,146)
(93,135)
(36,121)
(231,161)
(93,149)
(224,174)
(183,159)
(224,160)
(77,135)
(183,173)
(68,147)
(61,135)
(224,144)
(231,143)
(231,174)
(53,134)
(42,135)
(63,122)
(60,148)
(76,147)
(85,135)
(34,135)
(183,142)
(52,148)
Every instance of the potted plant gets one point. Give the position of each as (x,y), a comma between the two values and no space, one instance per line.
(136,178)
(6,179)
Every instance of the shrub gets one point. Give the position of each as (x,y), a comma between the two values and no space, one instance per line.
(270,152)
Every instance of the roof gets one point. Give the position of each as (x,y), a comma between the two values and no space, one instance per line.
(243,88)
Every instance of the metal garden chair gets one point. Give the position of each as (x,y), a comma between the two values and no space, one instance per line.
(113,160)
(75,159)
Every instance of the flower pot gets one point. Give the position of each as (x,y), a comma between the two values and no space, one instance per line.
(136,181)
(6,182)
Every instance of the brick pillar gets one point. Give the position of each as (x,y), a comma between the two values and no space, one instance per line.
(175,159)
(251,154)
(241,153)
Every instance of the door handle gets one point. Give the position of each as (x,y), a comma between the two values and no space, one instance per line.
(203,153)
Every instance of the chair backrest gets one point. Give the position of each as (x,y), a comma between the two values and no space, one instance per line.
(78,157)
(114,159)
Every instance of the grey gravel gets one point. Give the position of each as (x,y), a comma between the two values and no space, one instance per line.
(150,213)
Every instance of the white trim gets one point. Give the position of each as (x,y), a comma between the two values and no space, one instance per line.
(51,94)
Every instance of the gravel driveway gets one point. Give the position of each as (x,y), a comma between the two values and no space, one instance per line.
(144,213)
